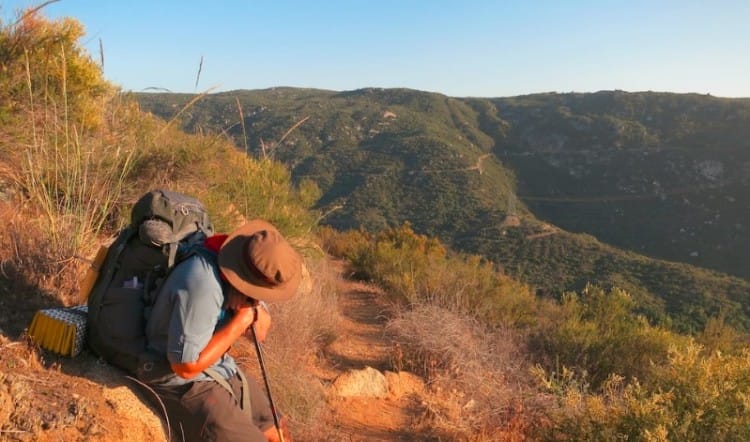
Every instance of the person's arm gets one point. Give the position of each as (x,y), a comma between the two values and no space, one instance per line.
(219,344)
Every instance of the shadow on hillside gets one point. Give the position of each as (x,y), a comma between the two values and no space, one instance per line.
(89,366)
(370,312)
(20,299)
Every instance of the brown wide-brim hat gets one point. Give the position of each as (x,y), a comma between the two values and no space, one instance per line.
(260,263)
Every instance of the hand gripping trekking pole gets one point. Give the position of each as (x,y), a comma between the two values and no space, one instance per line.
(259,350)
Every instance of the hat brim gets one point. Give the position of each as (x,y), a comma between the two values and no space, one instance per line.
(230,264)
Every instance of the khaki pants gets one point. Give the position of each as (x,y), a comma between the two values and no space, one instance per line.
(205,411)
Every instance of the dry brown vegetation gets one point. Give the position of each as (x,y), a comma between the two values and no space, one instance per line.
(476,375)
(76,154)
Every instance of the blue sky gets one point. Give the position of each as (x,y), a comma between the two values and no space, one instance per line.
(459,48)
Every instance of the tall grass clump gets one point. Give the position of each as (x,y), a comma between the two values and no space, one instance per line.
(67,153)
(72,164)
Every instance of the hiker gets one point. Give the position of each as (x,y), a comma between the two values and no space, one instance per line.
(207,302)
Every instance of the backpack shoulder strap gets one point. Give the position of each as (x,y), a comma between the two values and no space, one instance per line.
(154,285)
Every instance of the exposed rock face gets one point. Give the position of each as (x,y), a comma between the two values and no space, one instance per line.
(367,382)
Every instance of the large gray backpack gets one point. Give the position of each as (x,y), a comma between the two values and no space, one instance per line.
(164,228)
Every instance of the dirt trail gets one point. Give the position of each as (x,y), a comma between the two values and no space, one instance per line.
(362,344)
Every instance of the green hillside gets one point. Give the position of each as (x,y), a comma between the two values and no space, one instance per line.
(665,175)
(682,295)
(659,175)
(380,157)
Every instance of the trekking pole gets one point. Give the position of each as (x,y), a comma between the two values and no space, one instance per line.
(274,412)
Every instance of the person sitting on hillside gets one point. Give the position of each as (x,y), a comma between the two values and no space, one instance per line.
(207,302)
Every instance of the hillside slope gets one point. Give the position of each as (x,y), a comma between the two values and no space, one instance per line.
(379,157)
(666,175)
(662,175)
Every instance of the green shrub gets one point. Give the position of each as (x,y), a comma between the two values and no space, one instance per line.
(343,244)
(709,396)
(596,334)
(44,66)
(690,398)
(414,268)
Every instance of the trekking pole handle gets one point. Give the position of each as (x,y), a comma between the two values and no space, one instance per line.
(261,361)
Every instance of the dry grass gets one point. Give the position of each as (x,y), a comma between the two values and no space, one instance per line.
(34,272)
(476,375)
(300,329)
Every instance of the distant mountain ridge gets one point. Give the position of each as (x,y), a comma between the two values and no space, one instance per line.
(663,174)
(658,174)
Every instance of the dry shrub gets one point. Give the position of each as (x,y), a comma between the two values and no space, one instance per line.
(301,327)
(34,272)
(38,263)
(475,373)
